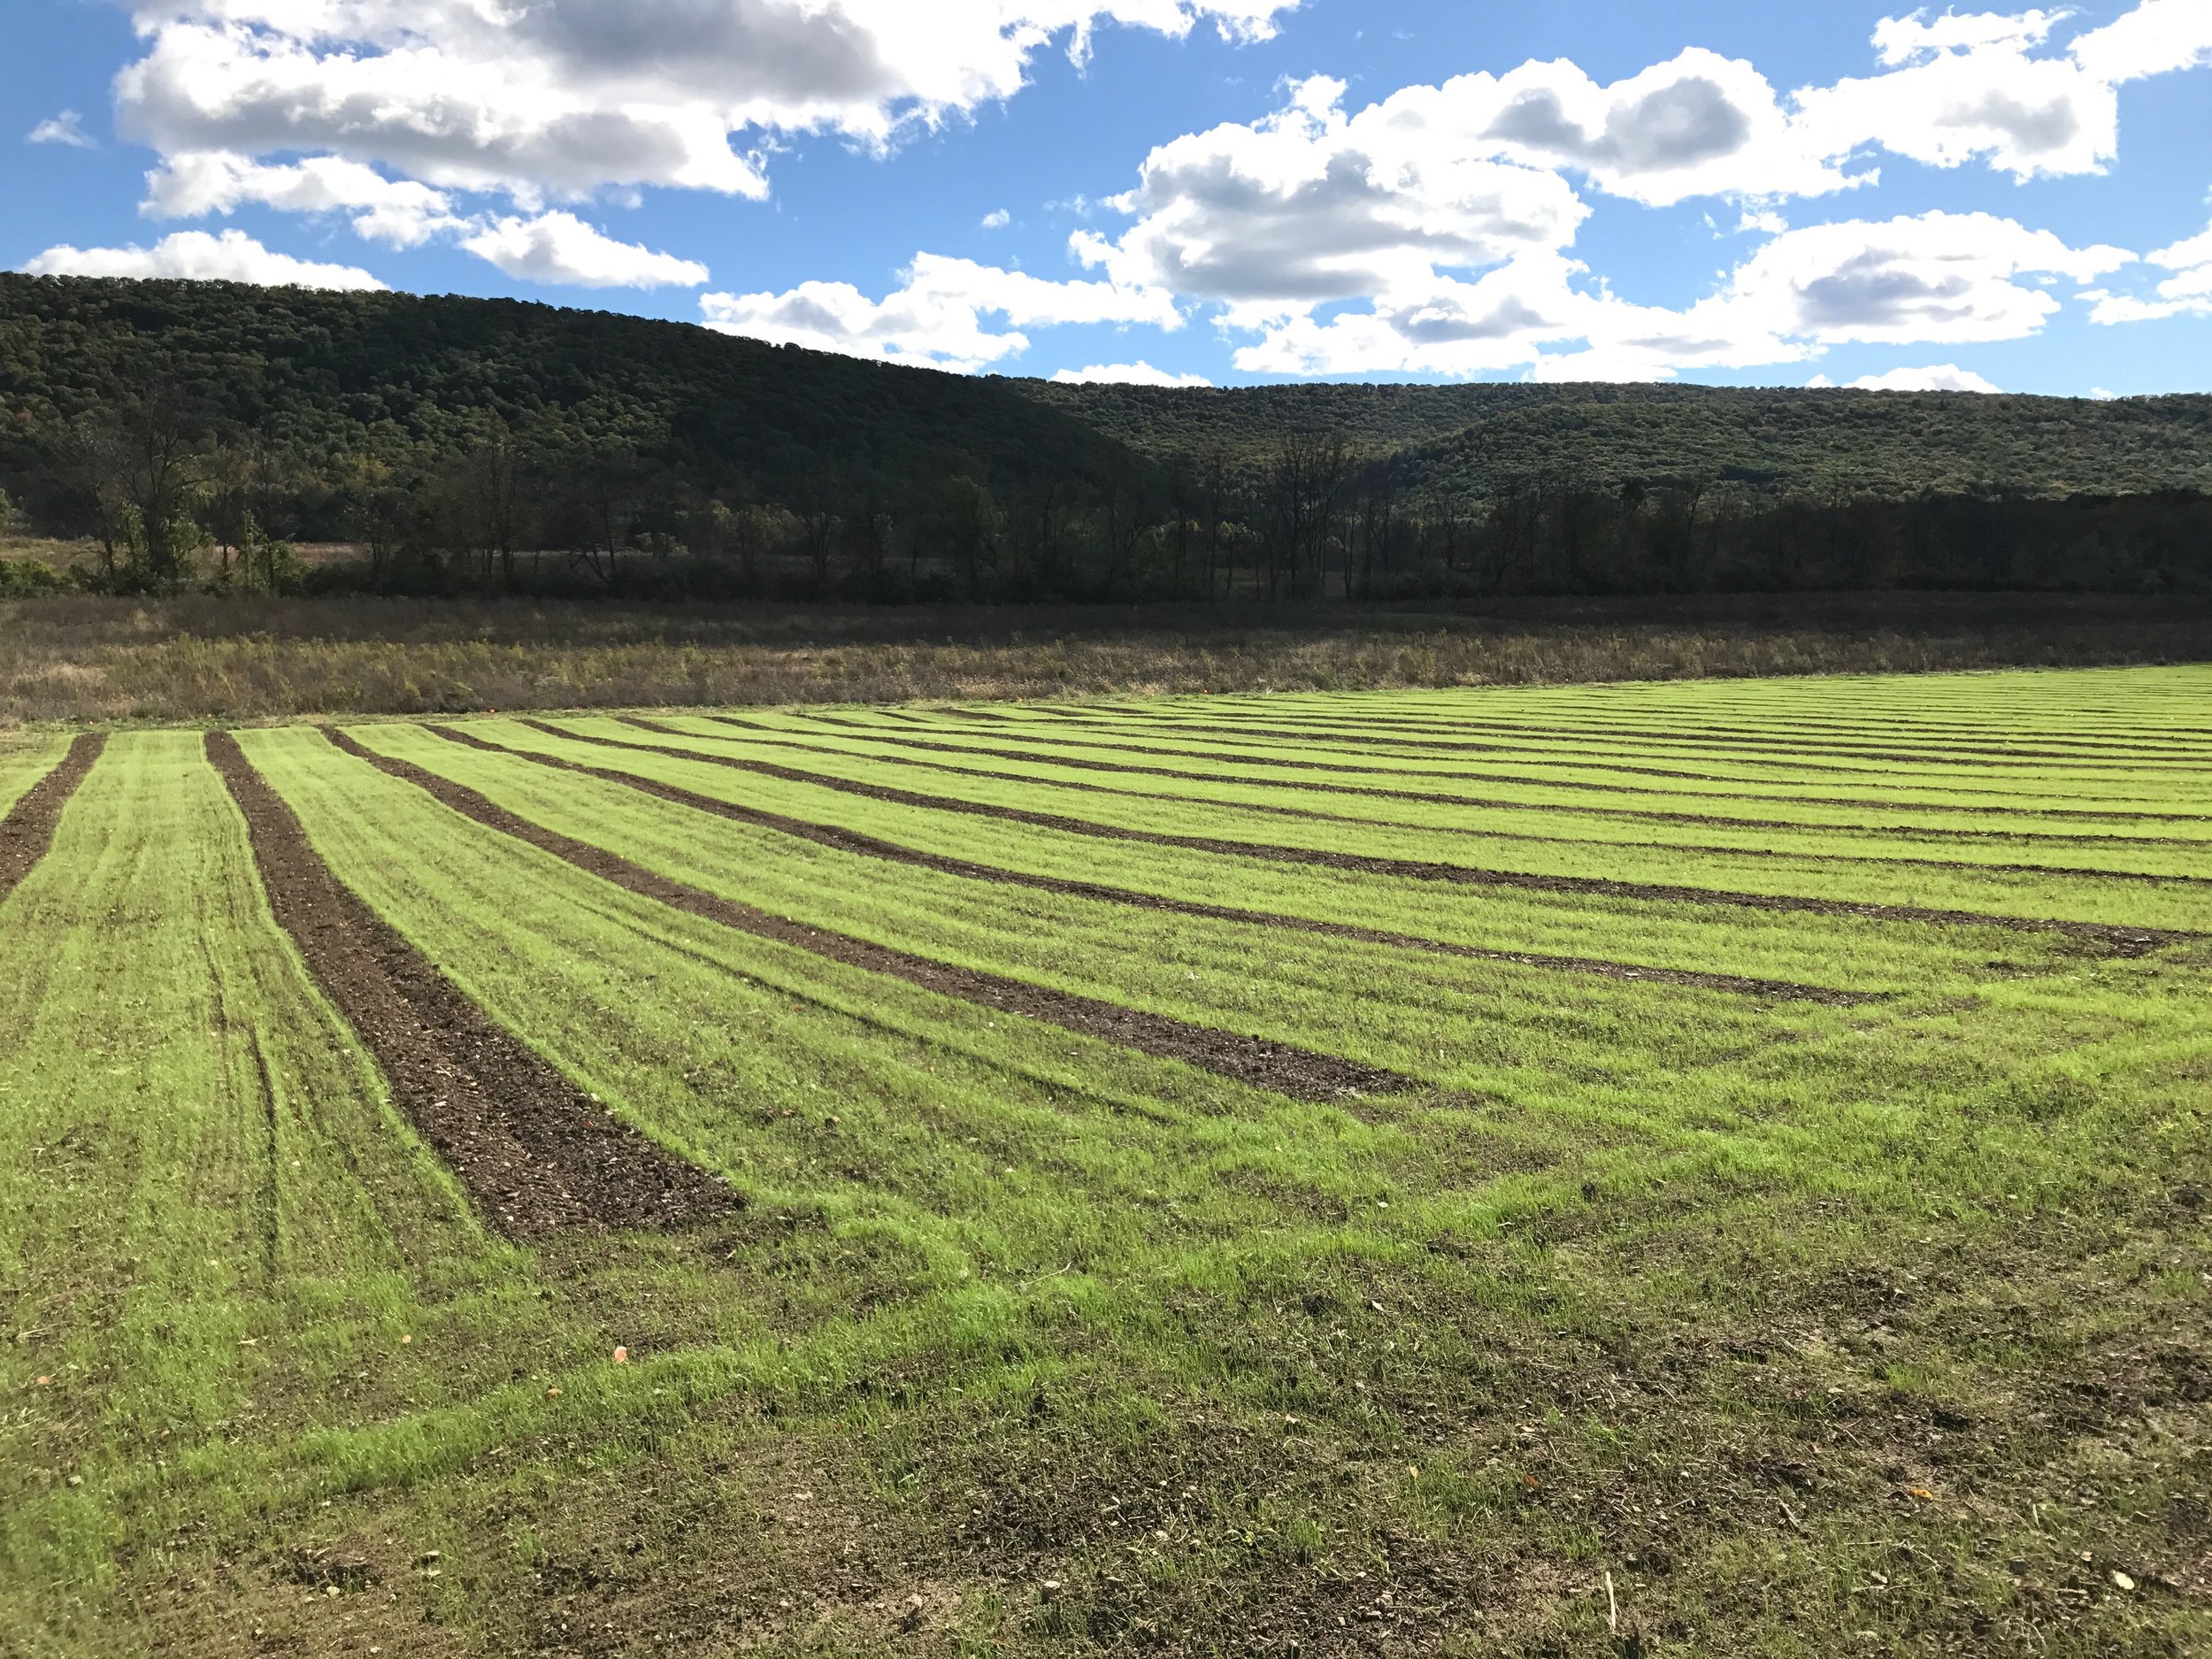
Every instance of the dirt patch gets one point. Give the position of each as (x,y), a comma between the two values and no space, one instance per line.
(536,1152)
(2109,936)
(1297,1072)
(868,846)
(28,829)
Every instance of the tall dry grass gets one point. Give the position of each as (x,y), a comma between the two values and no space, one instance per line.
(81,658)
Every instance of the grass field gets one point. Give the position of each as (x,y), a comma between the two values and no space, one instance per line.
(1704,1169)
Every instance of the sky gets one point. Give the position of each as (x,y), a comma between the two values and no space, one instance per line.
(1228,192)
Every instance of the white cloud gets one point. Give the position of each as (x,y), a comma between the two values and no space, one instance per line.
(1697,125)
(1126,374)
(1939,278)
(233,257)
(1947,277)
(65,128)
(2188,293)
(2157,38)
(565,97)
(559,247)
(998,218)
(399,214)
(1990,101)
(550,248)
(1309,206)
(1913,39)
(935,317)
(1940,377)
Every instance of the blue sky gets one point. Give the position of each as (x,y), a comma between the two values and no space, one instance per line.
(1227,190)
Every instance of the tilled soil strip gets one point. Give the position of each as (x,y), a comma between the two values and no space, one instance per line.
(868,846)
(1690,820)
(1298,1072)
(535,1153)
(2112,937)
(28,829)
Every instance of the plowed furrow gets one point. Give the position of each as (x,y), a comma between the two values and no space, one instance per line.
(2112,937)
(27,830)
(536,1154)
(1298,1072)
(868,846)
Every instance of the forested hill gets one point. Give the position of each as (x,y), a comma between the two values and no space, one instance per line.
(1468,440)
(414,382)
(191,432)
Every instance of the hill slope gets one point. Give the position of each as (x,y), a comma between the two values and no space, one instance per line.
(415,381)
(1467,439)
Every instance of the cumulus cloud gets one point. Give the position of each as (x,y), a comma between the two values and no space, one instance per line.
(565,97)
(1309,206)
(2188,293)
(398,213)
(65,128)
(2156,38)
(559,247)
(1915,38)
(1939,277)
(1951,277)
(1939,377)
(935,317)
(1433,231)
(1988,100)
(998,218)
(549,247)
(233,257)
(1126,374)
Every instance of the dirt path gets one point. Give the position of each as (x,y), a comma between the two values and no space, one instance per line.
(1297,1072)
(868,846)
(535,1153)
(28,829)
(2112,937)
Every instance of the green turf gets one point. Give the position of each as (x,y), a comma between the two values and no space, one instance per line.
(1792,1329)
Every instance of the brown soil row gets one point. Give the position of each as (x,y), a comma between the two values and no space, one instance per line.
(1584,785)
(1297,1072)
(1694,820)
(27,830)
(2118,939)
(868,846)
(535,1153)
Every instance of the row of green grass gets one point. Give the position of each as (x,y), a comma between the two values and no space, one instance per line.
(2171,903)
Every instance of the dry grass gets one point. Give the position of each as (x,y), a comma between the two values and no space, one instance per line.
(79,658)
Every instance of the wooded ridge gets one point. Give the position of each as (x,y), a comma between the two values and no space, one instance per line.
(191,431)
